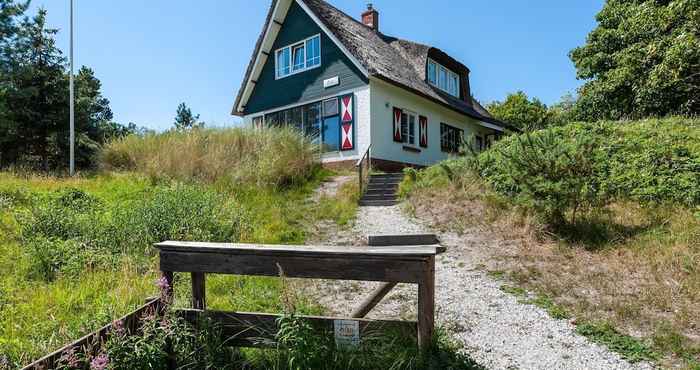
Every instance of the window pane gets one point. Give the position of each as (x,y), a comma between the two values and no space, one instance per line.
(442,83)
(330,107)
(412,129)
(313,52)
(432,73)
(312,122)
(294,118)
(298,58)
(404,127)
(283,62)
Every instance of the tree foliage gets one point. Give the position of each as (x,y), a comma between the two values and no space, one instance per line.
(642,60)
(185,119)
(518,110)
(34,99)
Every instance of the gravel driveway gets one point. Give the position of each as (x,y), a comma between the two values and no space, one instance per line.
(495,329)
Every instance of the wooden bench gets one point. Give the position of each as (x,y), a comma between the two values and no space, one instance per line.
(390,264)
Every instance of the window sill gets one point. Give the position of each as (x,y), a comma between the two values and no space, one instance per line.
(411,149)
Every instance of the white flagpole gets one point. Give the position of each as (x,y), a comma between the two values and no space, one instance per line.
(72,98)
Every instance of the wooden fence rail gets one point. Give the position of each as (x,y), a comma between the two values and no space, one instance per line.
(392,264)
(91,343)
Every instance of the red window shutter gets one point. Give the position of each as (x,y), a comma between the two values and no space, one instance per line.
(397,125)
(423,131)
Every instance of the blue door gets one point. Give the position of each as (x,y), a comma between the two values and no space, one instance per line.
(331,134)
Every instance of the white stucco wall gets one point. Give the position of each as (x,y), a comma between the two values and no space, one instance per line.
(384,97)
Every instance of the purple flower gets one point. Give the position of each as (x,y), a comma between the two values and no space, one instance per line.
(162,283)
(118,327)
(70,358)
(100,362)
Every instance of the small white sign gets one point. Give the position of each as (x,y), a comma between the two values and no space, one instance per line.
(347,333)
(333,81)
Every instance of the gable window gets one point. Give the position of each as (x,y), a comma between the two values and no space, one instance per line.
(450,138)
(443,78)
(298,57)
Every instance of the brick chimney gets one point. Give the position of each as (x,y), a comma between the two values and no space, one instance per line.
(370,18)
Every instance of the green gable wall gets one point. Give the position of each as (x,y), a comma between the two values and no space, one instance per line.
(270,93)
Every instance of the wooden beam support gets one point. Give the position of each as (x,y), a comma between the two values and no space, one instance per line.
(426,306)
(199,291)
(277,22)
(372,300)
(246,329)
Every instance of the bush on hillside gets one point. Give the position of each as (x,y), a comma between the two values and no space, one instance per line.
(275,157)
(561,170)
(70,230)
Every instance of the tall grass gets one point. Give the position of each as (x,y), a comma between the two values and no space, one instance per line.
(274,157)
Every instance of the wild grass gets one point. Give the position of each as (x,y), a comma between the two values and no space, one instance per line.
(119,215)
(631,264)
(275,157)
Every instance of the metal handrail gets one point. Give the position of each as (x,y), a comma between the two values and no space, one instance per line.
(363,175)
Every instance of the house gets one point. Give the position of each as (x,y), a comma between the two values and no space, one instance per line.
(347,86)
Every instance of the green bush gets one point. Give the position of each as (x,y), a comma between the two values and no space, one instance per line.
(70,230)
(560,171)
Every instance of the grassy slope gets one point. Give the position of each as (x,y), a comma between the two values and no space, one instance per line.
(39,316)
(637,273)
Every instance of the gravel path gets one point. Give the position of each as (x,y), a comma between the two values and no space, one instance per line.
(494,328)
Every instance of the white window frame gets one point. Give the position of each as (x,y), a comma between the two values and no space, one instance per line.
(449,73)
(291,48)
(405,138)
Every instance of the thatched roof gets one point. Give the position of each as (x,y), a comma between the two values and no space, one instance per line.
(397,61)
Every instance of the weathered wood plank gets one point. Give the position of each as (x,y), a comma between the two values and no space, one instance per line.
(426,305)
(372,300)
(403,240)
(89,342)
(364,268)
(199,291)
(292,250)
(245,329)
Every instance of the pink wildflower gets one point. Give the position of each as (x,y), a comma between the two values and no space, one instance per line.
(100,362)
(162,283)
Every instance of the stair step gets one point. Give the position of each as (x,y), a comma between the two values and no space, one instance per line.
(378,203)
(388,193)
(384,182)
(379,197)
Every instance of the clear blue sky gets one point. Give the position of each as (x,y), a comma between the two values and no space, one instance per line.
(152,55)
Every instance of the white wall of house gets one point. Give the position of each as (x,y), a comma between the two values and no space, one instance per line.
(384,97)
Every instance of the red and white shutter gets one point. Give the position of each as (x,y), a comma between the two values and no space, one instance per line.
(347,140)
(423,131)
(346,109)
(397,125)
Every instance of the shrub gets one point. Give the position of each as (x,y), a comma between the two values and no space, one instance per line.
(240,156)
(562,170)
(70,230)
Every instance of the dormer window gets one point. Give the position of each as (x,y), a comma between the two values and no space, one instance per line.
(298,57)
(443,78)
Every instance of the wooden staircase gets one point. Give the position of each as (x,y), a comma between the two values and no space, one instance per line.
(381,190)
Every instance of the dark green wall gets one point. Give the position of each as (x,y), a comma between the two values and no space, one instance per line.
(270,93)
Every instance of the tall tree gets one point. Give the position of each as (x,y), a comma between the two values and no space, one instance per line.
(185,119)
(520,111)
(37,92)
(643,59)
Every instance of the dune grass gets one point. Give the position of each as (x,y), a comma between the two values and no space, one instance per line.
(236,156)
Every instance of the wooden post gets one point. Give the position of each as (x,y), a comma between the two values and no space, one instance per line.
(198,291)
(373,299)
(426,305)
